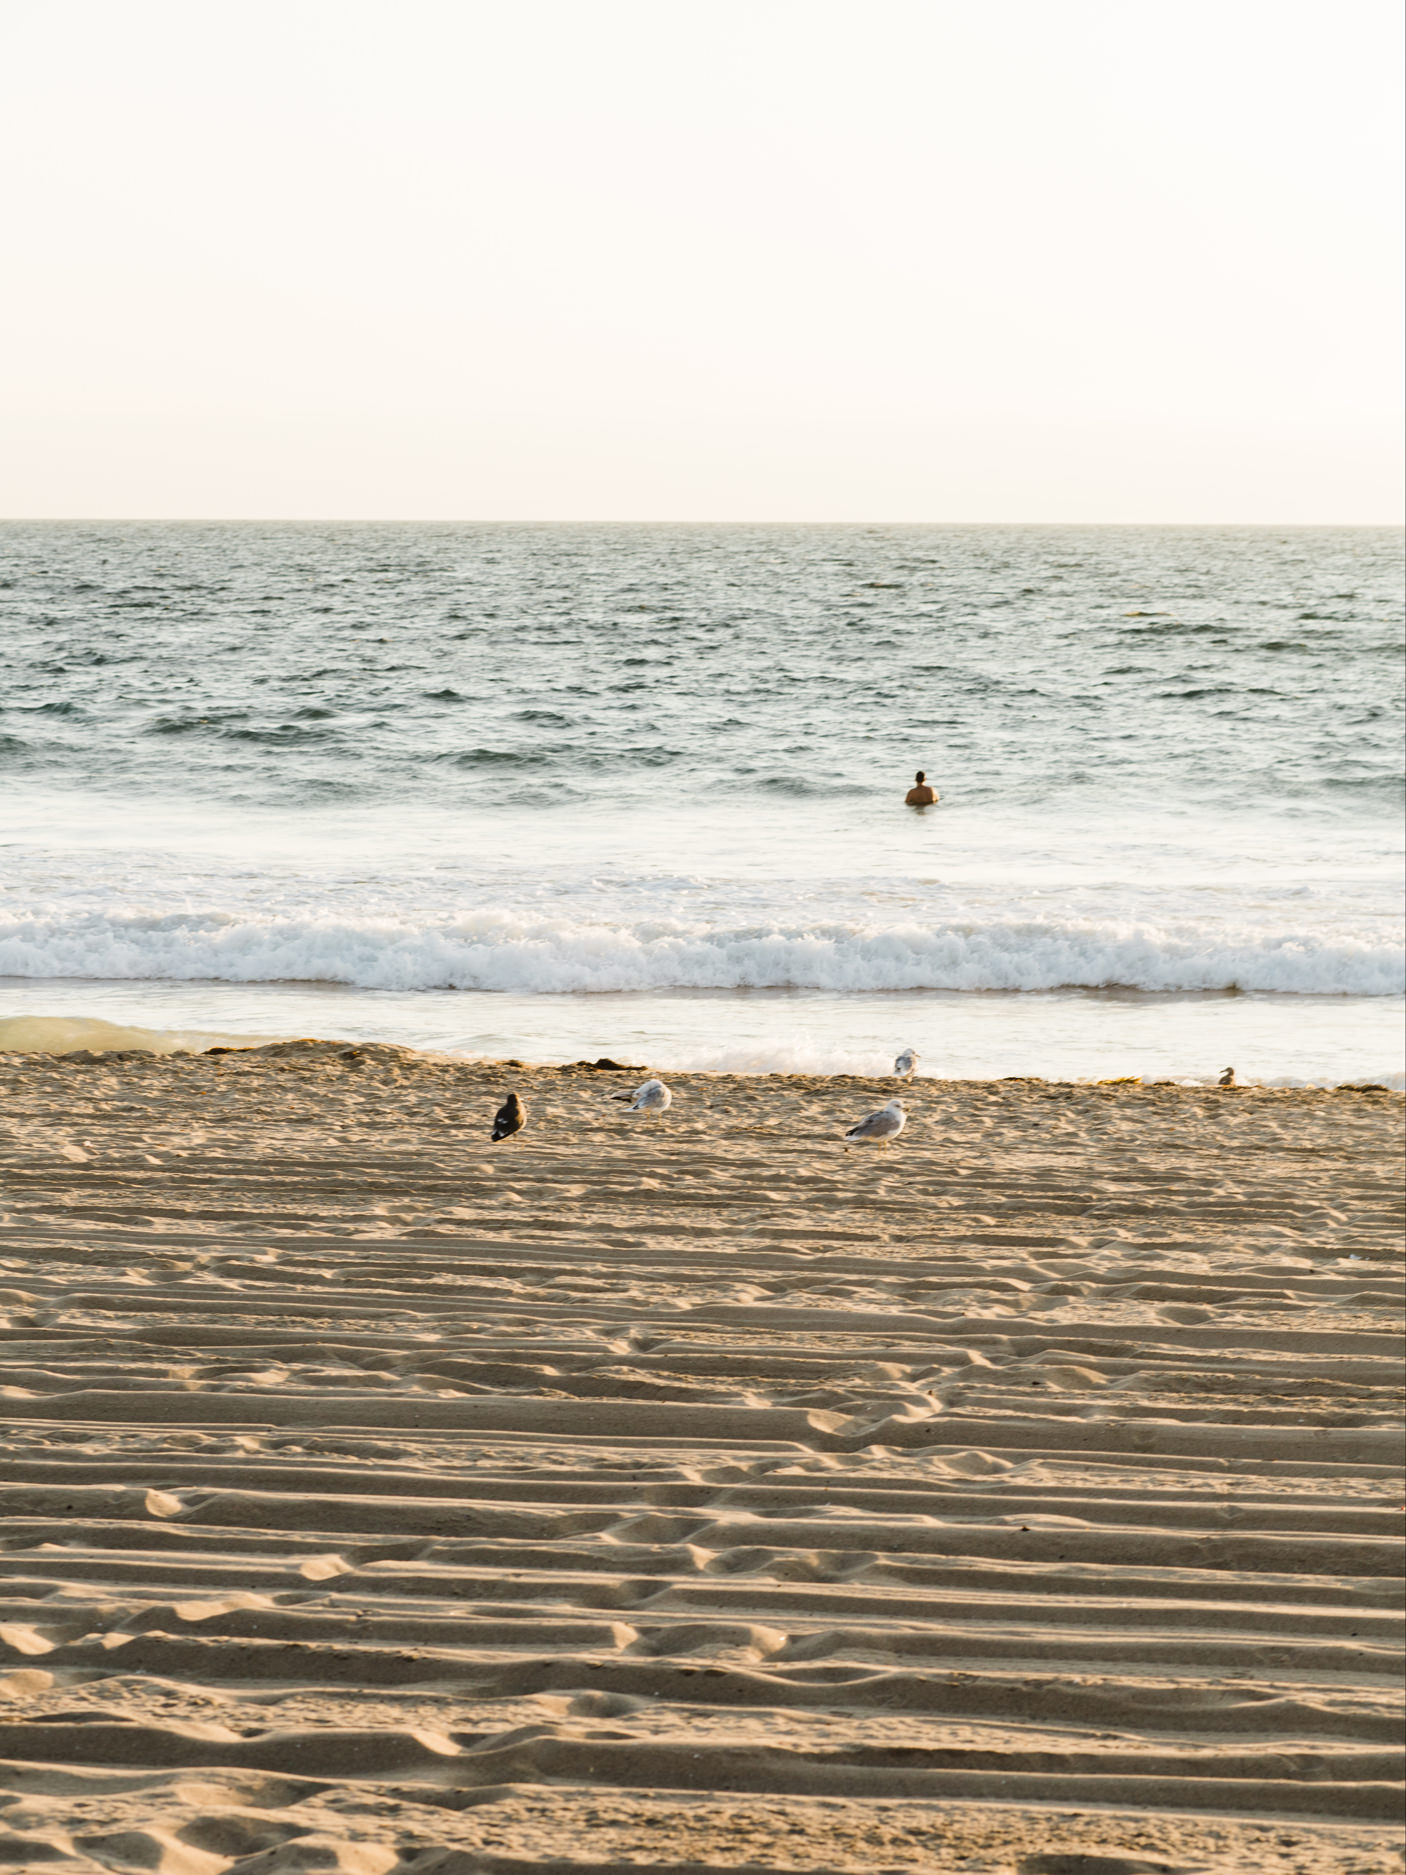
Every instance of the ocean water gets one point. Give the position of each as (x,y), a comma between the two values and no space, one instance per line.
(562,791)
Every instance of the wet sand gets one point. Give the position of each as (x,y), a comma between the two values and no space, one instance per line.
(690,1493)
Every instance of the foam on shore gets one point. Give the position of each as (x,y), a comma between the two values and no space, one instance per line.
(62,1035)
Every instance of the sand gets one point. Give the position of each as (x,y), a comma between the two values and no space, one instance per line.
(690,1493)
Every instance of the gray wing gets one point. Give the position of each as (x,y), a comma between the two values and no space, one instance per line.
(880,1125)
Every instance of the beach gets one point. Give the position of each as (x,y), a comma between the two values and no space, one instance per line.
(702,941)
(689,1492)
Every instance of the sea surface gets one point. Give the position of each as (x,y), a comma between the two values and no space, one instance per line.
(562,791)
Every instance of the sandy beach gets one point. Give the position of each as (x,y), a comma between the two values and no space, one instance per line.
(690,1493)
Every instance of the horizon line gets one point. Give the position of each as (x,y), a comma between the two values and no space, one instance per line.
(371,520)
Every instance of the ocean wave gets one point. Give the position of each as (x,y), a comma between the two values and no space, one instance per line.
(540,954)
(796,786)
(533,759)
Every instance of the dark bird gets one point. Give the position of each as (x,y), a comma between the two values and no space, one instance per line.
(510,1118)
(1227,1079)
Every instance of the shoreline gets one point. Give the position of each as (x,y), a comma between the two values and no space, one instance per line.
(1026,1487)
(61,1038)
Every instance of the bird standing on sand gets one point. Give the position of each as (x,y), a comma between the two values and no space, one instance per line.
(649,1097)
(510,1118)
(878,1128)
(906,1065)
(1227,1079)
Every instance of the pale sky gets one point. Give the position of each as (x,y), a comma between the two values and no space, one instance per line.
(711,260)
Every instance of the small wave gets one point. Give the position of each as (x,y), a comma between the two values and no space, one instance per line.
(281,735)
(582,758)
(802,787)
(489,758)
(539,954)
(1165,627)
(191,725)
(235,727)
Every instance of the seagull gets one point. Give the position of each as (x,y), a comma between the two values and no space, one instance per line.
(510,1118)
(1227,1079)
(882,1126)
(648,1097)
(906,1065)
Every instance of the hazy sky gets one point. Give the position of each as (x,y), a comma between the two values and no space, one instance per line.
(908,260)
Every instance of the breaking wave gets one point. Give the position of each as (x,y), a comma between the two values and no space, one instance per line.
(527,954)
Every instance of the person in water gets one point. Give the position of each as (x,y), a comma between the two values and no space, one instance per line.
(920,794)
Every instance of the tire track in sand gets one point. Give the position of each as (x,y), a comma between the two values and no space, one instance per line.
(371,1496)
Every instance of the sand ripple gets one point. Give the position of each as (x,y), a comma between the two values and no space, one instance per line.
(692,1498)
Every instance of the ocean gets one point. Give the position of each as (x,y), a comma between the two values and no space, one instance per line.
(553,792)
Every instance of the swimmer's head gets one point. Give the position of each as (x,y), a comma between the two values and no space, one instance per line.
(920,777)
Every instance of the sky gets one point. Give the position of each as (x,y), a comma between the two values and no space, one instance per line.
(702,260)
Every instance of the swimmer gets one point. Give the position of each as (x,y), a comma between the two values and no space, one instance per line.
(920,794)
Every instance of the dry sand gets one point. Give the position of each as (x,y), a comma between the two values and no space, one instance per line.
(692,1494)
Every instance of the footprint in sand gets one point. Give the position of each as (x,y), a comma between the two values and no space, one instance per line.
(27,1683)
(324,1568)
(149,1849)
(232,1835)
(323,1853)
(1075,1862)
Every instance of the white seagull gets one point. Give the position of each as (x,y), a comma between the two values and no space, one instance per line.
(878,1127)
(648,1097)
(906,1065)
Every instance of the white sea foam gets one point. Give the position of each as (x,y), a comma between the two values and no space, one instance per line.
(665,762)
(57,1035)
(542,954)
